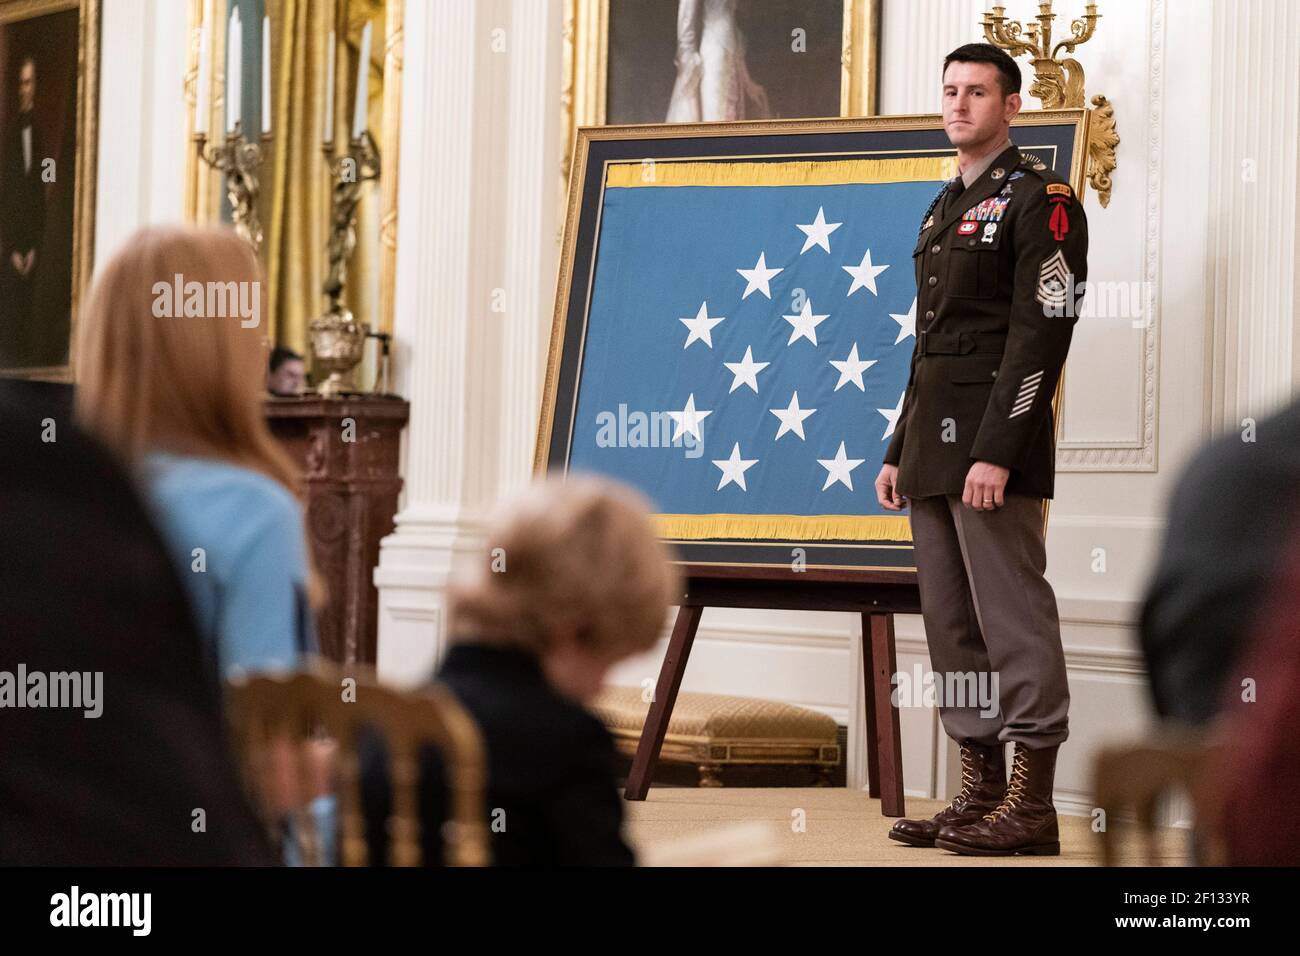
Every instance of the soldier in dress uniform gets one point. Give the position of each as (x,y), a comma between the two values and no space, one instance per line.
(1000,253)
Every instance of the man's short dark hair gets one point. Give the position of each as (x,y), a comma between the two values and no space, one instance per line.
(1008,72)
(280,355)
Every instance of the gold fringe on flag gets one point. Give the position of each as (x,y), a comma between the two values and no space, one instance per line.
(785,527)
(836,172)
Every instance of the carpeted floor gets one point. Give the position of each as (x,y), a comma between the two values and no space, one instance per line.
(844,828)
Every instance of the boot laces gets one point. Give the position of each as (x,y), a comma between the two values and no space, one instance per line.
(967,775)
(1015,788)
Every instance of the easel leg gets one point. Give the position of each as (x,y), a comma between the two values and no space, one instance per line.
(884,739)
(661,708)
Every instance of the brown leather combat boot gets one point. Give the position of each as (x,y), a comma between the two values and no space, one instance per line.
(1024,822)
(983,785)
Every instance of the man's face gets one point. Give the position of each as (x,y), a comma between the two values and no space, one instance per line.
(974,110)
(288,380)
(27,87)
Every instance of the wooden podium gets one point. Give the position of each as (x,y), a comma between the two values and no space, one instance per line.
(347,450)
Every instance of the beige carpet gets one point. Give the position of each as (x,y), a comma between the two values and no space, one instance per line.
(844,828)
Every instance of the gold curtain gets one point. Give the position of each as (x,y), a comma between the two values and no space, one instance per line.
(296,224)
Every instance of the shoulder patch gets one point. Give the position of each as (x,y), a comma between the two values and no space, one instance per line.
(1059,189)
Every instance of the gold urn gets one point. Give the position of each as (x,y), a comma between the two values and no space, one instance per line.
(337,344)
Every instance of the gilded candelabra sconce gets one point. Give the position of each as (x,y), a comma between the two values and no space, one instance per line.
(337,339)
(238,160)
(1058,81)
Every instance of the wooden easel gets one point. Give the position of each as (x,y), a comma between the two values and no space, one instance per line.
(876,595)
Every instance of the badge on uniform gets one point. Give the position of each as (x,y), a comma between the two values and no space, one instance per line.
(989,231)
(1016,175)
(990,210)
(967,228)
(1059,195)
(997,173)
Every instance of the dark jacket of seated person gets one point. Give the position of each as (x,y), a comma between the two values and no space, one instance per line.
(551,794)
(133,768)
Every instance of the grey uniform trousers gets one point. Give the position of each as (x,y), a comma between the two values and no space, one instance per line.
(989,610)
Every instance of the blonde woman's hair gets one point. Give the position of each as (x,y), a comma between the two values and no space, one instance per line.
(577,555)
(151,377)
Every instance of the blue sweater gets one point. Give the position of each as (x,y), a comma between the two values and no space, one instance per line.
(236,538)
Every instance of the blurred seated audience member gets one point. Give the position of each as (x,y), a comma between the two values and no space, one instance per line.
(179,397)
(571,581)
(1227,525)
(287,377)
(1258,776)
(142,774)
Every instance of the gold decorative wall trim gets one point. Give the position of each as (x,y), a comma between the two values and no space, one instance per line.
(391,137)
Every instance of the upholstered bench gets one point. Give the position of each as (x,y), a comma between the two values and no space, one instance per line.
(717,734)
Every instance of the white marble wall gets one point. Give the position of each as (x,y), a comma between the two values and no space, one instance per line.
(140,176)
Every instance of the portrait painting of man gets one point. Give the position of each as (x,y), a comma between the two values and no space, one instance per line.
(38,178)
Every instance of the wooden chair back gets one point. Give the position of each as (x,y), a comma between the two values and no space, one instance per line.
(322,701)
(1135,777)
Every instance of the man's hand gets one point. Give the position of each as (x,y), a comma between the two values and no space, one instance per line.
(887,488)
(984,486)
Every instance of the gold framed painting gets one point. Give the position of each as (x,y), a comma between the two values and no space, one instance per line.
(49,73)
(655,61)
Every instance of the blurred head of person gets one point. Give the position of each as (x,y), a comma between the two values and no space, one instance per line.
(167,357)
(287,375)
(573,574)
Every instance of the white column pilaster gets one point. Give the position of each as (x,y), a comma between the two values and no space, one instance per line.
(480,111)
(1251,285)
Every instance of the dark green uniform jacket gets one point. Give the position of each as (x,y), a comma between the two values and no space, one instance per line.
(997,298)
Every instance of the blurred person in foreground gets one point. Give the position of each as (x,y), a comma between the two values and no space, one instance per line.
(1231,514)
(571,581)
(1256,776)
(171,365)
(179,398)
(140,773)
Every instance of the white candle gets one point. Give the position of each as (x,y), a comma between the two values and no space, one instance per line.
(359,113)
(234,67)
(329,91)
(266,75)
(203,80)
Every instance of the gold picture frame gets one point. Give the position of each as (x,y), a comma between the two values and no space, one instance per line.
(575,272)
(86,129)
(586,66)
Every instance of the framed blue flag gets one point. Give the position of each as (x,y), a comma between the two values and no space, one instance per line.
(735,319)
